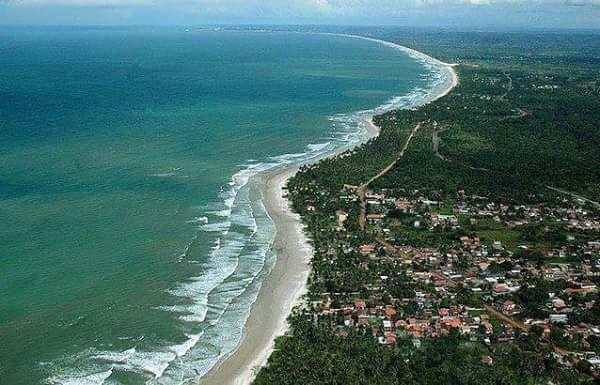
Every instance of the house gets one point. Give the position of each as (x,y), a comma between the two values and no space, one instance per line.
(558,304)
(375,218)
(360,304)
(558,318)
(508,306)
(390,312)
(367,248)
(390,339)
(342,216)
(501,289)
(387,325)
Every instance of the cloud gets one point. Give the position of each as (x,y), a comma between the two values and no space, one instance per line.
(78,3)
(309,5)
(414,12)
(333,7)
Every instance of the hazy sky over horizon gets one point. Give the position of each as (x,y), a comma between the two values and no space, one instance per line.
(479,14)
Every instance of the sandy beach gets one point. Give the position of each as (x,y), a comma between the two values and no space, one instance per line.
(279,292)
(287,282)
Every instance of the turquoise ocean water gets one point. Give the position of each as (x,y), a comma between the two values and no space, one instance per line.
(131,247)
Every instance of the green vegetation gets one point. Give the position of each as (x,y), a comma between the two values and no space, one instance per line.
(314,356)
(524,118)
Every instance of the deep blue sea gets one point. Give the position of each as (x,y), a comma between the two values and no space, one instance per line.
(131,248)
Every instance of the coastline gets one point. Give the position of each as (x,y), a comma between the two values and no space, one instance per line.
(287,282)
(279,293)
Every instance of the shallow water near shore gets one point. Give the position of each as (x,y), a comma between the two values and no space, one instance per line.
(133,241)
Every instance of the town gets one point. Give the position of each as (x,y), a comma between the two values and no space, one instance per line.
(489,271)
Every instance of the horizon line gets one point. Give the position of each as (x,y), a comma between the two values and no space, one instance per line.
(474,29)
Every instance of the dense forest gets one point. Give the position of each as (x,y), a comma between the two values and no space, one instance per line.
(523,117)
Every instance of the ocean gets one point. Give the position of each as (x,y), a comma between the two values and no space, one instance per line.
(131,245)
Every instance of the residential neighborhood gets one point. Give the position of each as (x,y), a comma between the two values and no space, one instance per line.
(487,271)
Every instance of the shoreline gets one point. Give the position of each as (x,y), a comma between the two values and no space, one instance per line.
(287,282)
(281,290)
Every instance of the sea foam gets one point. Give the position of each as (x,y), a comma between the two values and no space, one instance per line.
(218,300)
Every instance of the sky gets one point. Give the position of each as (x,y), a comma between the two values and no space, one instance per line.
(478,14)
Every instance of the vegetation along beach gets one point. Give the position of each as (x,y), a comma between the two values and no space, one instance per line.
(460,246)
(313,192)
(287,281)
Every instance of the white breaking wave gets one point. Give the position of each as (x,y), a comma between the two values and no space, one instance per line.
(219,299)
(89,379)
(201,220)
